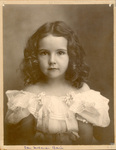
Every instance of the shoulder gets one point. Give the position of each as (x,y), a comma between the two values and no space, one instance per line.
(28,88)
(84,88)
(33,88)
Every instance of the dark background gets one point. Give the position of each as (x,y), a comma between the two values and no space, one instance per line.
(94,25)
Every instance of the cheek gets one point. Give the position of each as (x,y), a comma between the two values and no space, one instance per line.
(42,64)
(41,61)
(66,61)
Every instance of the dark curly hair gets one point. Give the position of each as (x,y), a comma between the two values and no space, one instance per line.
(77,71)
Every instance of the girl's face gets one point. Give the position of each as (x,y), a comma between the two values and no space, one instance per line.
(53,56)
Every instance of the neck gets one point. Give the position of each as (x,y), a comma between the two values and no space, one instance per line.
(56,86)
(52,82)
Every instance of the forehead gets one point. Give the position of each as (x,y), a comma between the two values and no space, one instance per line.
(51,41)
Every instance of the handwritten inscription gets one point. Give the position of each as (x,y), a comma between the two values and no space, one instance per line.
(43,147)
(34,147)
(57,147)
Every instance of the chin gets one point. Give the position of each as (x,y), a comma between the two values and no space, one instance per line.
(55,76)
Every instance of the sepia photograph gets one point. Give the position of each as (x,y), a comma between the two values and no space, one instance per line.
(58,75)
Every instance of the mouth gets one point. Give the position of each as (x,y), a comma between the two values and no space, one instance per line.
(53,69)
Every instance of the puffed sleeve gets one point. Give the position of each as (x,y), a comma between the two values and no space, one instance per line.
(91,106)
(20,105)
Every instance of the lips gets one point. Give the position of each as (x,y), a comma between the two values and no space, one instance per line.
(52,68)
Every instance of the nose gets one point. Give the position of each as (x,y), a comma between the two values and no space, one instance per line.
(52,59)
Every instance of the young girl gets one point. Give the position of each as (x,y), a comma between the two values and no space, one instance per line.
(56,106)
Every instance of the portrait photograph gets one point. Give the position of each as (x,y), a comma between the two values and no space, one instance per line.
(58,75)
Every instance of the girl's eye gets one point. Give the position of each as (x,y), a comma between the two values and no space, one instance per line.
(61,53)
(43,53)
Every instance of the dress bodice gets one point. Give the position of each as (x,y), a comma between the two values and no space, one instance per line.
(58,114)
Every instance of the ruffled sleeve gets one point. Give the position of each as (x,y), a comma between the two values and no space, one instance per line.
(91,106)
(21,104)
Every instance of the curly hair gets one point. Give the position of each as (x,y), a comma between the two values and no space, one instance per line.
(77,71)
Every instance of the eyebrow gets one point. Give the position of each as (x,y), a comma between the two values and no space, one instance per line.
(43,49)
(62,49)
(56,50)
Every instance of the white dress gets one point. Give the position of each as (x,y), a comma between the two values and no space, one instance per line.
(58,115)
